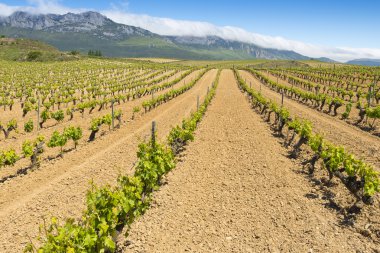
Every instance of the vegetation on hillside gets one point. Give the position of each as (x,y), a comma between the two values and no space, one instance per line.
(14,49)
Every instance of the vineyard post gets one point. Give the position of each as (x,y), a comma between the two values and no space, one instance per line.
(197,102)
(369,96)
(208,89)
(371,91)
(250,85)
(282,98)
(113,114)
(152,94)
(153,133)
(38,113)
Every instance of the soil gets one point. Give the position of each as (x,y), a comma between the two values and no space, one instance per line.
(78,120)
(354,114)
(364,145)
(58,188)
(235,190)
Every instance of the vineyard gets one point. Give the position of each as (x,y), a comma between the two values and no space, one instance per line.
(102,155)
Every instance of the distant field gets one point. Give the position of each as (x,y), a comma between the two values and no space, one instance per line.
(157,60)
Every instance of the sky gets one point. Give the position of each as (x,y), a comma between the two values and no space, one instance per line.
(341,30)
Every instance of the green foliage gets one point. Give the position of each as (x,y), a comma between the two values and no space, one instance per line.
(334,157)
(11,125)
(58,115)
(373,113)
(74,52)
(34,56)
(28,107)
(109,208)
(27,148)
(70,112)
(149,104)
(316,142)
(57,140)
(45,115)
(29,126)
(47,105)
(346,113)
(32,149)
(8,158)
(97,53)
(118,114)
(107,119)
(136,109)
(73,133)
(154,162)
(95,124)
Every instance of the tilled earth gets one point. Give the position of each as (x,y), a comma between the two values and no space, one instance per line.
(236,191)
(58,188)
(233,190)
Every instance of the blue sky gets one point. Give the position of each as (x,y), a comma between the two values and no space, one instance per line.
(332,26)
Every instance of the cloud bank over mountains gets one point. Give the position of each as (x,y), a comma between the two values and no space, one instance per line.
(168,26)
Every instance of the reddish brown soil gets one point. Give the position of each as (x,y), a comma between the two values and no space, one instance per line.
(236,191)
(357,141)
(58,188)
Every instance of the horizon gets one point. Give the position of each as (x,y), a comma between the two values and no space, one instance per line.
(261,28)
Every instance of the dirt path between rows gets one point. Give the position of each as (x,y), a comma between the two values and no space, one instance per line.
(235,191)
(354,114)
(360,143)
(25,200)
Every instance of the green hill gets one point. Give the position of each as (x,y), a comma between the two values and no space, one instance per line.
(12,49)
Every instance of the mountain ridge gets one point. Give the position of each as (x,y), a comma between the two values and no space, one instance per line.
(92,30)
(365,62)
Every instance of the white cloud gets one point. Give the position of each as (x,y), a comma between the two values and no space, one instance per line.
(167,26)
(38,7)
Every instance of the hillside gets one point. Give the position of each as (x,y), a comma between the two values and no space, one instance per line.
(365,62)
(91,30)
(29,50)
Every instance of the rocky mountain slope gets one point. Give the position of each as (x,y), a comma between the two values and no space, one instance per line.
(91,30)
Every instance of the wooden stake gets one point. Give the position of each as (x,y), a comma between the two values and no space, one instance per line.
(113,114)
(38,114)
(153,133)
(282,98)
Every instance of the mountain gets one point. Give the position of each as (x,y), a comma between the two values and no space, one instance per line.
(365,62)
(91,30)
(245,49)
(325,59)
